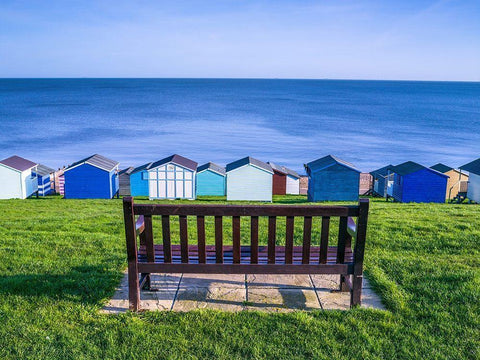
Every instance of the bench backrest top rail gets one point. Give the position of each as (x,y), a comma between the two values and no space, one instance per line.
(246,210)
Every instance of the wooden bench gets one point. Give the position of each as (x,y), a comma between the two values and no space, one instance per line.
(147,257)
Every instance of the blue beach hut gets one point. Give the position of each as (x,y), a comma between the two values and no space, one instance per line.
(413,182)
(95,177)
(170,178)
(249,179)
(211,180)
(332,179)
(380,180)
(44,176)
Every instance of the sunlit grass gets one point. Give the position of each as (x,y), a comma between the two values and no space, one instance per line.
(61,260)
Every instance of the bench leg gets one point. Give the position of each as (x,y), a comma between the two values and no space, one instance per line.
(356,296)
(133,289)
(343,284)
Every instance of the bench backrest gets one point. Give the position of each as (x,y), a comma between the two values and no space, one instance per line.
(138,222)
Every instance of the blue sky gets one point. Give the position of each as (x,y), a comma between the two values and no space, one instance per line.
(422,40)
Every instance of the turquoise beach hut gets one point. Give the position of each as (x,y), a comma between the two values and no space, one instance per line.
(211,180)
(332,179)
(249,179)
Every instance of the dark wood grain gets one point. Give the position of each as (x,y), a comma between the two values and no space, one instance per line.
(272,234)
(201,239)
(289,231)
(324,239)
(184,238)
(219,238)
(254,239)
(166,237)
(236,239)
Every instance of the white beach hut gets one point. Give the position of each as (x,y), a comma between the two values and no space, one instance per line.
(17,178)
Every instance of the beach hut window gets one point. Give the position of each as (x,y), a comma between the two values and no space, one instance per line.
(188,176)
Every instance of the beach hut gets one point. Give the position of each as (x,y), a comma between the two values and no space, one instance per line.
(124,181)
(59,181)
(457,182)
(211,180)
(95,177)
(413,182)
(170,178)
(303,184)
(332,179)
(249,179)
(17,178)
(473,168)
(44,178)
(285,180)
(139,180)
(366,183)
(380,181)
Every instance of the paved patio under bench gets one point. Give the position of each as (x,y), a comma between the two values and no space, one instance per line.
(273,293)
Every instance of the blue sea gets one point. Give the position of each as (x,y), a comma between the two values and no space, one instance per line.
(290,122)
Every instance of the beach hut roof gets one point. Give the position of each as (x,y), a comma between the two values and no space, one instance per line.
(410,167)
(18,163)
(328,161)
(96,160)
(142,167)
(472,167)
(177,159)
(127,171)
(43,170)
(249,160)
(382,171)
(441,168)
(284,170)
(213,167)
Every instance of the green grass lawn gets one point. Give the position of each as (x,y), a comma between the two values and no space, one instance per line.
(60,261)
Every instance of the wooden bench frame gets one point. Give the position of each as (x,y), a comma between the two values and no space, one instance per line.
(290,259)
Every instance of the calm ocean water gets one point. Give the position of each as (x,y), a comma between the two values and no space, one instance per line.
(369,123)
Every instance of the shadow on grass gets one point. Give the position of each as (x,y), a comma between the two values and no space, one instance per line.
(82,284)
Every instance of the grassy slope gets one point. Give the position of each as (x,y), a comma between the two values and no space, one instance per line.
(61,260)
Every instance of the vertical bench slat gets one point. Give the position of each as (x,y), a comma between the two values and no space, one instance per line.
(167,249)
(254,240)
(183,238)
(307,239)
(202,256)
(149,238)
(324,239)
(236,239)
(342,239)
(219,239)
(289,239)
(272,232)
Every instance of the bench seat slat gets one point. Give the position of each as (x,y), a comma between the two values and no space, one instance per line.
(245,254)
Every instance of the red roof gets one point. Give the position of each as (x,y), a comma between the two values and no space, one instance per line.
(18,163)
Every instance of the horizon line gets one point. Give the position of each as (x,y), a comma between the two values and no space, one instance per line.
(229,78)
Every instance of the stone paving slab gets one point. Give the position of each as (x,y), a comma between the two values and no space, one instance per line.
(219,298)
(212,280)
(281,299)
(272,293)
(278,281)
